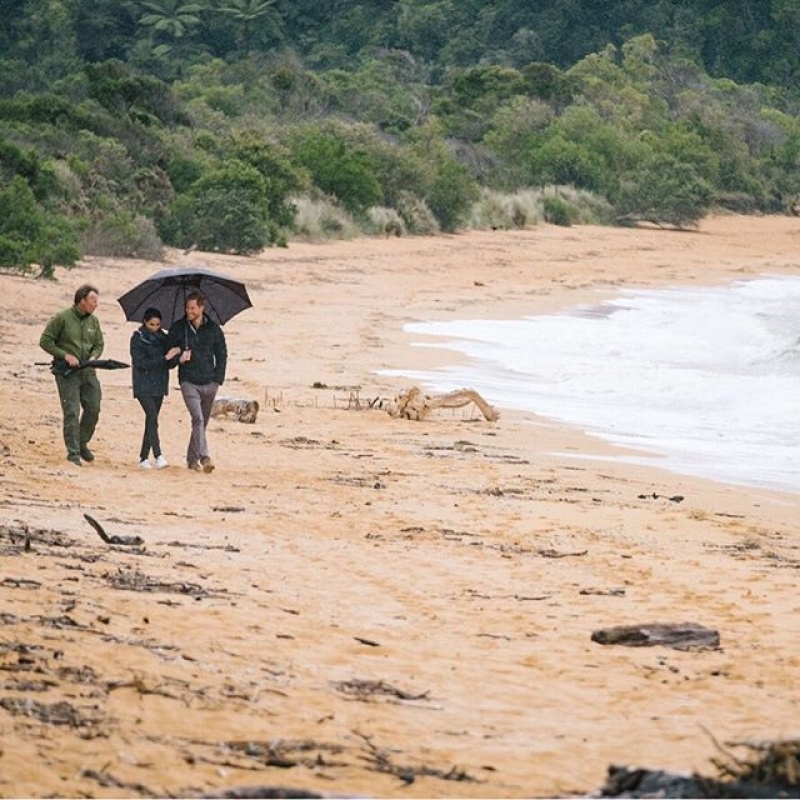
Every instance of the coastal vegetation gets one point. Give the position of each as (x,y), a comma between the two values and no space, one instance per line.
(233,125)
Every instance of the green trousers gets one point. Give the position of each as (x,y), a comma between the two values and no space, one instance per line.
(80,396)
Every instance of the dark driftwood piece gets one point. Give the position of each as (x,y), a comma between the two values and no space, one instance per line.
(636,782)
(125,540)
(246,792)
(675,498)
(769,769)
(681,636)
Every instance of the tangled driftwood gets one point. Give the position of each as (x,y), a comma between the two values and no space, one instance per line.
(413,403)
(241,410)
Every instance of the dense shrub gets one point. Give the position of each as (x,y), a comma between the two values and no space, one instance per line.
(225,211)
(666,192)
(31,235)
(338,171)
(557,211)
(281,178)
(451,195)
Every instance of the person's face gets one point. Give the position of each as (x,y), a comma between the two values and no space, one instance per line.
(89,303)
(194,311)
(153,324)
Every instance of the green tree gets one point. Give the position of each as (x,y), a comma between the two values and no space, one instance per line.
(228,210)
(104,29)
(547,82)
(171,19)
(666,192)
(474,85)
(451,195)
(30,165)
(30,235)
(136,98)
(582,149)
(251,17)
(339,171)
(512,132)
(40,41)
(281,178)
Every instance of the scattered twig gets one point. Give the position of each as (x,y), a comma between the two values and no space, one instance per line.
(123,540)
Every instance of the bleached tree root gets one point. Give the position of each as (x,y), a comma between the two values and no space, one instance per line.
(414,404)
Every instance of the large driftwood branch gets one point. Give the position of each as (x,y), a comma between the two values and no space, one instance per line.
(415,404)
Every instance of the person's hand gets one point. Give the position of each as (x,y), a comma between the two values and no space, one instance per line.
(186,355)
(71,360)
(171,353)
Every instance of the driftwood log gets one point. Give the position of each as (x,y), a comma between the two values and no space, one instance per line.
(240,410)
(681,636)
(413,403)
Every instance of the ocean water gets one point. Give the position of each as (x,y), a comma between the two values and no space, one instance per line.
(703,382)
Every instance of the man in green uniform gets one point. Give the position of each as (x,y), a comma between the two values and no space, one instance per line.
(73,336)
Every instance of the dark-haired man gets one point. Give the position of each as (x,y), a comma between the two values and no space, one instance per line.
(201,371)
(73,336)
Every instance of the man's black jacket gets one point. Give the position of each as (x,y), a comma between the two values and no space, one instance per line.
(209,351)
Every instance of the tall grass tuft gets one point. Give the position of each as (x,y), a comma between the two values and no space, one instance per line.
(416,214)
(320,218)
(560,205)
(383,221)
(125,235)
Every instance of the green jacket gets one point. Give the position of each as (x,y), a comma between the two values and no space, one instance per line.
(69,331)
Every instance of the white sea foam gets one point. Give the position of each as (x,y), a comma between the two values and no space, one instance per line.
(707,380)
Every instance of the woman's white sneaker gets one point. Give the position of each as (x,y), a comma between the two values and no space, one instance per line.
(144,464)
(161,462)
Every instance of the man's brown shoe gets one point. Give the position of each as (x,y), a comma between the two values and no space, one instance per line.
(195,467)
(208,464)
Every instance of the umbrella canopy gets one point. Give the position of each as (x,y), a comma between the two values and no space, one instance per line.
(166,290)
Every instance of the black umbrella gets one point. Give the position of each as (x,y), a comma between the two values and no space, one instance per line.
(167,290)
(60,367)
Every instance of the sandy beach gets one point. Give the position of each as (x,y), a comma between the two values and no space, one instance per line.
(359,605)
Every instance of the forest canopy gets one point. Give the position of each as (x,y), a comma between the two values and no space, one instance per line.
(233,125)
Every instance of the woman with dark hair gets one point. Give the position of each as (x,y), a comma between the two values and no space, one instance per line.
(151,363)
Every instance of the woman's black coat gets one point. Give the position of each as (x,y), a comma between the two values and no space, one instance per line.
(150,368)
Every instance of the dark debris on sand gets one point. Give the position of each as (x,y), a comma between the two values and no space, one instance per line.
(769,769)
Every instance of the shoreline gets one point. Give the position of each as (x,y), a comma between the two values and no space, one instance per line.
(521,364)
(361,605)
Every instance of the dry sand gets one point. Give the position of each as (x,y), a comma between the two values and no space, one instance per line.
(355,604)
